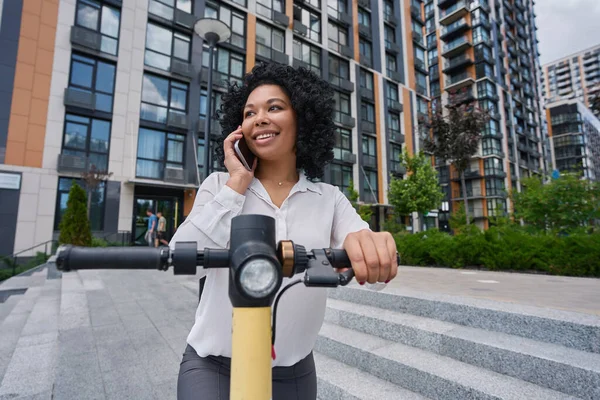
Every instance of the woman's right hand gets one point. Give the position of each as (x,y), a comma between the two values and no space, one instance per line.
(239,177)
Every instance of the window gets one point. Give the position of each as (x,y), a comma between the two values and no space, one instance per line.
(370,188)
(389,35)
(264,7)
(87,138)
(366,51)
(308,54)
(388,9)
(334,7)
(491,146)
(486,89)
(392,92)
(341,175)
(364,17)
(367,112)
(232,18)
(342,103)
(417,31)
(432,56)
(480,34)
(229,64)
(343,143)
(483,69)
(200,157)
(497,207)
(494,187)
(162,44)
(93,76)
(166,8)
(421,83)
(492,166)
(268,38)
(391,65)
(396,152)
(310,19)
(432,40)
(215,104)
(338,37)
(100,18)
(435,89)
(420,57)
(157,150)
(338,69)
(394,126)
(162,97)
(97,203)
(366,80)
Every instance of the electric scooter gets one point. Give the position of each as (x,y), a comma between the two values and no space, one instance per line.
(257,266)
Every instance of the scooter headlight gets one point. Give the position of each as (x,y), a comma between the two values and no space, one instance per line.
(258,277)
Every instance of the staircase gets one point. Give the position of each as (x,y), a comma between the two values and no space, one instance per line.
(410,345)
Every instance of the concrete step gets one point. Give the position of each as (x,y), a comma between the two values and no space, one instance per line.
(578,331)
(556,367)
(34,353)
(337,381)
(423,372)
(7,306)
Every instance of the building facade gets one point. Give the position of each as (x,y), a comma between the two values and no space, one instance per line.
(574,133)
(486,52)
(121,85)
(576,76)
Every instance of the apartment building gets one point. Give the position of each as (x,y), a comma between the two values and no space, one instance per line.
(574,133)
(122,85)
(486,53)
(576,76)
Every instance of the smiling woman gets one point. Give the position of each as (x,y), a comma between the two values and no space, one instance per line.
(285,116)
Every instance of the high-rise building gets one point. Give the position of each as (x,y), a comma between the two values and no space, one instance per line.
(576,76)
(486,52)
(121,85)
(574,133)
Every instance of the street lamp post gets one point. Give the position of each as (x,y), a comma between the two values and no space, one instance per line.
(213,31)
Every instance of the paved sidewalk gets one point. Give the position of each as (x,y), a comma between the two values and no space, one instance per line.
(562,293)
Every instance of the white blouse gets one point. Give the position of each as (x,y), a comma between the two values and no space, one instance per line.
(315,215)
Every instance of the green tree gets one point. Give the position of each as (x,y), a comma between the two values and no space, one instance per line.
(456,137)
(364,210)
(75,225)
(562,205)
(419,191)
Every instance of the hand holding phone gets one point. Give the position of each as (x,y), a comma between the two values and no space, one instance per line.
(244,153)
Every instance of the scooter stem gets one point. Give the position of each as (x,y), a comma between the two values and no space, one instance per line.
(251,354)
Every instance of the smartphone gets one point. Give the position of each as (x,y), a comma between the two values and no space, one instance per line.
(244,154)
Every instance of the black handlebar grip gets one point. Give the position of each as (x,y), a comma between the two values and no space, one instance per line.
(75,258)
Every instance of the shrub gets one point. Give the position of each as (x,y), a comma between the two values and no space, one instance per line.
(75,226)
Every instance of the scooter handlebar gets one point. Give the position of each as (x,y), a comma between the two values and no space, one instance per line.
(76,258)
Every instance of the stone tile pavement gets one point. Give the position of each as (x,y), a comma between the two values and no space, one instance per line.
(120,334)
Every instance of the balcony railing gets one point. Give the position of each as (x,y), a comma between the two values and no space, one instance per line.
(454,12)
(460,78)
(457,193)
(455,45)
(369,161)
(454,27)
(463,59)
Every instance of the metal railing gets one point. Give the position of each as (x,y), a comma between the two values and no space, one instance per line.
(14,257)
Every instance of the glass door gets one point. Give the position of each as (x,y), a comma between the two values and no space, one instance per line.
(140,220)
(170,207)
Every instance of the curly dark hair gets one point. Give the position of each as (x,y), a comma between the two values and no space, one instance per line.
(312,100)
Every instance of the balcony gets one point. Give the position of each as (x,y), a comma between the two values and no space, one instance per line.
(415,11)
(472,193)
(396,136)
(394,105)
(272,54)
(183,69)
(460,98)
(509,20)
(72,163)
(300,28)
(342,17)
(218,79)
(344,119)
(481,3)
(456,63)
(348,156)
(344,84)
(397,168)
(496,173)
(395,75)
(364,30)
(457,46)
(459,81)
(521,33)
(367,126)
(520,6)
(369,161)
(393,47)
(390,19)
(366,93)
(454,12)
(86,38)
(469,174)
(420,65)
(280,18)
(79,99)
(454,28)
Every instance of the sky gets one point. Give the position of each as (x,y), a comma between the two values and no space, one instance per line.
(566,27)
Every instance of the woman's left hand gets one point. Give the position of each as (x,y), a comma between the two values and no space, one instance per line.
(373,256)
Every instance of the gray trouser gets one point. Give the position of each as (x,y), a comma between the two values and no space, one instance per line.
(207,378)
